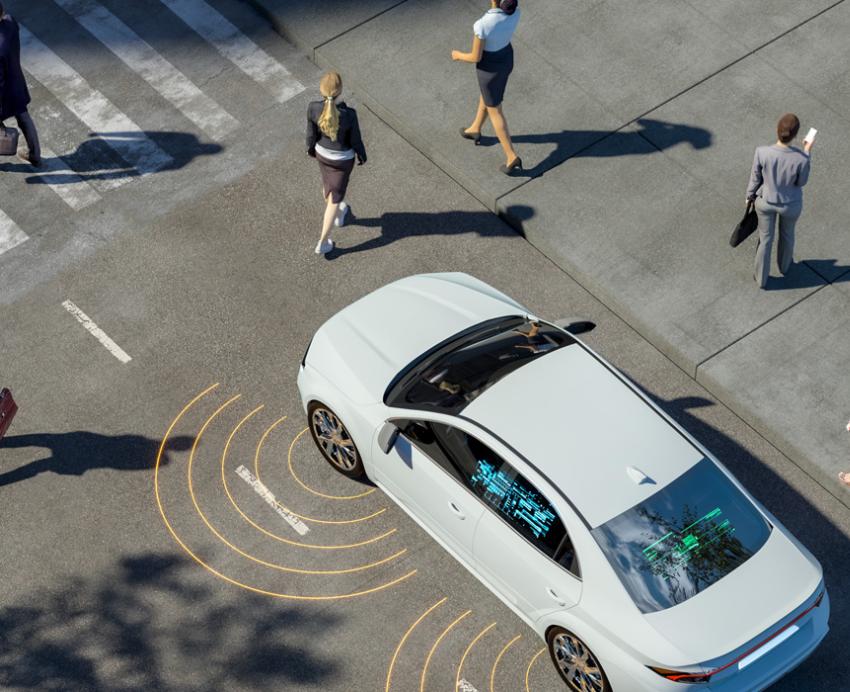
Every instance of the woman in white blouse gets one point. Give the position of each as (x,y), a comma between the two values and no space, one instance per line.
(493,56)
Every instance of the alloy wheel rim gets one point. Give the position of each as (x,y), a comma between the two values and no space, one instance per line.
(577,664)
(333,438)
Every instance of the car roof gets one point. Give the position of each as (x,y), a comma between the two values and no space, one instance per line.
(583,428)
(377,336)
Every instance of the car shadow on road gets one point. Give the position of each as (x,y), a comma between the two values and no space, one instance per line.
(74,453)
(652,137)
(399,225)
(126,628)
(817,532)
(94,158)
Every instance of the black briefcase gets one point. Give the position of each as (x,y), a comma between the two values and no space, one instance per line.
(8,408)
(746,227)
(8,141)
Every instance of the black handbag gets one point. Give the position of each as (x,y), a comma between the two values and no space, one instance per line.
(8,141)
(746,227)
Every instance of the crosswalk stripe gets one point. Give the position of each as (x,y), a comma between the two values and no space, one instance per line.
(70,187)
(100,180)
(92,107)
(237,47)
(141,57)
(10,234)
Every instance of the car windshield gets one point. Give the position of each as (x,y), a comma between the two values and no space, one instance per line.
(454,375)
(683,539)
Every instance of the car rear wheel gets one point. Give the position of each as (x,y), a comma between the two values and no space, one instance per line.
(575,662)
(334,441)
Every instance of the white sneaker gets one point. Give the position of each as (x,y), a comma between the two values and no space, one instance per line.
(341,214)
(325,248)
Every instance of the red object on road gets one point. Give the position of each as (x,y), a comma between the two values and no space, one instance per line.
(8,408)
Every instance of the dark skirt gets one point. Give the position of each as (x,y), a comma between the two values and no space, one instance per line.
(335,176)
(493,70)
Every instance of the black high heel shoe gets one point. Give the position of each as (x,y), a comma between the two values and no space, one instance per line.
(515,164)
(475,137)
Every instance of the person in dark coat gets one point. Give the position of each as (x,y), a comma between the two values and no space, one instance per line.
(333,139)
(14,95)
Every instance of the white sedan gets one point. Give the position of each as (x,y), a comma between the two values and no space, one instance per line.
(616,536)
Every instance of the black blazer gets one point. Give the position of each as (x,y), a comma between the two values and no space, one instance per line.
(14,96)
(348,136)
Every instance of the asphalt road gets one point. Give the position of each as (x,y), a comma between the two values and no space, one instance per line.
(131,563)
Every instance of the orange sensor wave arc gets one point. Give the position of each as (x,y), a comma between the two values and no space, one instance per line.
(314,520)
(212,570)
(311,490)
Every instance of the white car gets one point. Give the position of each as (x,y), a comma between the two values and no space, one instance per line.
(615,535)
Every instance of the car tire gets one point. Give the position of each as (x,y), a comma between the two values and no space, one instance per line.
(334,441)
(575,662)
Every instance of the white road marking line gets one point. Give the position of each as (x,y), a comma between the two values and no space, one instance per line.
(59,177)
(92,107)
(270,500)
(96,332)
(237,47)
(10,235)
(466,686)
(141,57)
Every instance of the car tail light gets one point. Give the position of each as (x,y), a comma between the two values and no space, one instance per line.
(680,676)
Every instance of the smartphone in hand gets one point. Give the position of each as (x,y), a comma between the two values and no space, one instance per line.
(810,136)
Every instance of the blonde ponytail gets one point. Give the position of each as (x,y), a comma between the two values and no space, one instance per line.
(330,87)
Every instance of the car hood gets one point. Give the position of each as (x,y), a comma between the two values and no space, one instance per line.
(364,346)
(742,605)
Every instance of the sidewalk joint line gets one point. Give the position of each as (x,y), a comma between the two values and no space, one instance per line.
(736,61)
(363,22)
(759,326)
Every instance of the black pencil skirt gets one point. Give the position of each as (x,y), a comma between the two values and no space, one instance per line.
(335,175)
(493,70)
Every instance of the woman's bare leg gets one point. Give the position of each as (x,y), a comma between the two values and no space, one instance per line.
(331,211)
(501,128)
(480,118)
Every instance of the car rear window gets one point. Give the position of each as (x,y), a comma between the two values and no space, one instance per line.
(455,375)
(683,539)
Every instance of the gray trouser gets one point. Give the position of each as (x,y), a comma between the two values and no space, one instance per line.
(786,216)
(30,134)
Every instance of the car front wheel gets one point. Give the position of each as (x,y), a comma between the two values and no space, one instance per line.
(334,441)
(575,662)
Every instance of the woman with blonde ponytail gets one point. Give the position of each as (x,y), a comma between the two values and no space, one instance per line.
(333,139)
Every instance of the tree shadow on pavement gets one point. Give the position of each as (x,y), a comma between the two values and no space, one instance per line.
(74,453)
(150,624)
(653,136)
(399,225)
(817,532)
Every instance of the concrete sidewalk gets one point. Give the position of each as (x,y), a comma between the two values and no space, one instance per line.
(636,124)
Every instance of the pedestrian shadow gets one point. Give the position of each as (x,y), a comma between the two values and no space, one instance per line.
(74,453)
(653,136)
(96,159)
(809,274)
(396,226)
(152,621)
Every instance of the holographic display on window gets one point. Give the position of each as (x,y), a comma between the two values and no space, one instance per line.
(682,539)
(513,498)
(675,549)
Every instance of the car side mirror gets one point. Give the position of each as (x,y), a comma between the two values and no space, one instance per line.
(575,325)
(387,437)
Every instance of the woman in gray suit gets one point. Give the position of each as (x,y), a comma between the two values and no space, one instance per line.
(776,185)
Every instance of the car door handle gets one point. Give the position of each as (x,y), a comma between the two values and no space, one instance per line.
(457,510)
(555,597)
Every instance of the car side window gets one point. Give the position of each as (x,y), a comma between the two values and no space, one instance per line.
(421,435)
(507,493)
